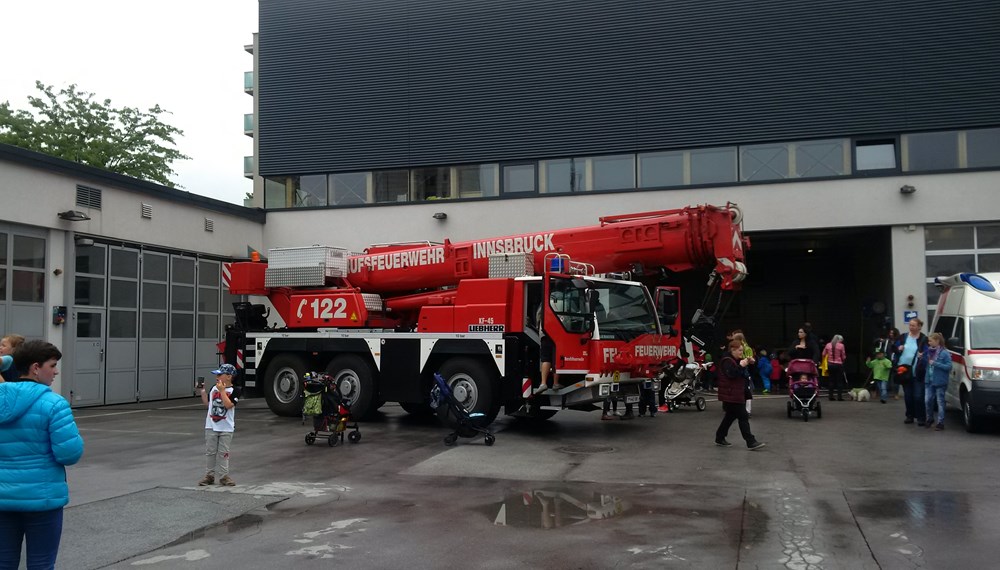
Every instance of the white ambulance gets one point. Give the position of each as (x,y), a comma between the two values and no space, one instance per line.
(968,315)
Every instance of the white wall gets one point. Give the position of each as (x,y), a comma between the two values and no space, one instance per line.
(33,196)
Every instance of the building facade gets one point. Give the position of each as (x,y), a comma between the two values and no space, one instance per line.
(861,140)
(124,276)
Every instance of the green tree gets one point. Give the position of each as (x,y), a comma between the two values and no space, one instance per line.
(73,125)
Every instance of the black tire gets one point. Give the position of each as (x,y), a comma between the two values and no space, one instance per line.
(356,383)
(333,440)
(354,436)
(283,385)
(490,440)
(700,404)
(310,439)
(421,410)
(969,420)
(475,384)
(789,408)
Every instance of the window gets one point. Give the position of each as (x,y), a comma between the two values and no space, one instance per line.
(875,154)
(27,276)
(661,169)
(613,172)
(948,237)
(29,252)
(988,236)
(988,262)
(476,181)
(519,179)
(931,151)
(391,186)
(983,148)
(276,193)
(764,162)
(713,165)
(821,158)
(154,267)
(310,191)
(950,264)
(349,188)
(563,175)
(431,183)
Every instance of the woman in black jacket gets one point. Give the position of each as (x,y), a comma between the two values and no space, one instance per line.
(733,395)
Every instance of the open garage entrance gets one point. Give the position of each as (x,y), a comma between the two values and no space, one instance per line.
(840,280)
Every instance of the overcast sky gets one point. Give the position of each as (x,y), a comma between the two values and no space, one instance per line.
(185,55)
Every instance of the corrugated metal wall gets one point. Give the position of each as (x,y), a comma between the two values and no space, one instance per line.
(362,84)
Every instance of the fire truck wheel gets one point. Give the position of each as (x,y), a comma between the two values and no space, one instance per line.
(356,384)
(474,384)
(283,385)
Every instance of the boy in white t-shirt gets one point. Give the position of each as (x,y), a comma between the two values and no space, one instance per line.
(220,423)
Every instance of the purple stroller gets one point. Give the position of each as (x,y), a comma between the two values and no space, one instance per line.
(803,389)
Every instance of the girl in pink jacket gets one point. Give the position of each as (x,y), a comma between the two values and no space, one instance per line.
(835,355)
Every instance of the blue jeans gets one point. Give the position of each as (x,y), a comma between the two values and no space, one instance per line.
(42,529)
(883,389)
(933,393)
(913,397)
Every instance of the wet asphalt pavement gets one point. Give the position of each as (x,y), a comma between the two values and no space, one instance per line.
(855,489)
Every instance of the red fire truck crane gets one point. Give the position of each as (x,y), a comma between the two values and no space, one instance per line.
(383,322)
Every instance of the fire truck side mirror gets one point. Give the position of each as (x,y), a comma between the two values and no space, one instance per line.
(666,305)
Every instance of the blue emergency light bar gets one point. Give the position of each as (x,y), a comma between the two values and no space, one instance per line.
(977,281)
(557,265)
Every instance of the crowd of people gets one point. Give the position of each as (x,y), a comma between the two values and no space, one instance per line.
(914,362)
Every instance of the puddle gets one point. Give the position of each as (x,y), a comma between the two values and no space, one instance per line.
(940,507)
(551,508)
(249,523)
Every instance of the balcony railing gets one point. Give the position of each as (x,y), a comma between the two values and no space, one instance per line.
(248,82)
(248,166)
(248,124)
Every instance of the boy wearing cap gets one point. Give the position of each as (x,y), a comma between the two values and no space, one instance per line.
(220,423)
(880,371)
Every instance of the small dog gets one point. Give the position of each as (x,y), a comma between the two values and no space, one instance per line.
(859,395)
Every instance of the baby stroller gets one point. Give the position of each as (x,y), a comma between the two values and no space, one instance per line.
(803,389)
(330,416)
(681,388)
(451,411)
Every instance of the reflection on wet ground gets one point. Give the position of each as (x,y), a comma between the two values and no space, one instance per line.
(919,507)
(554,507)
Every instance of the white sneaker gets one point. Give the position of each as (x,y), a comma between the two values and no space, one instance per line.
(540,389)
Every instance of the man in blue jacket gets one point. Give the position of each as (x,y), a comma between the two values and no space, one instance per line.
(38,438)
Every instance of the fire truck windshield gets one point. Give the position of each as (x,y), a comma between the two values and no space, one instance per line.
(624,311)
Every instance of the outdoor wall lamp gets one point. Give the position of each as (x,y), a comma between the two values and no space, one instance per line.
(73,216)
(440,216)
(907,189)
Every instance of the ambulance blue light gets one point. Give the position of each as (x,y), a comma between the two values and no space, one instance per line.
(978,282)
(557,265)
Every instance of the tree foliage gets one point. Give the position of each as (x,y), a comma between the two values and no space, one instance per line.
(73,125)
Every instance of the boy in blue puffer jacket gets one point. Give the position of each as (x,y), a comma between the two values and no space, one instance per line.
(38,438)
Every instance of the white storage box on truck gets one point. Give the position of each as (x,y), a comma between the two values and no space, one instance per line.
(968,315)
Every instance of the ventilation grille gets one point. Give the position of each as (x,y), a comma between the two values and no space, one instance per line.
(88,197)
(209,225)
(147,211)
